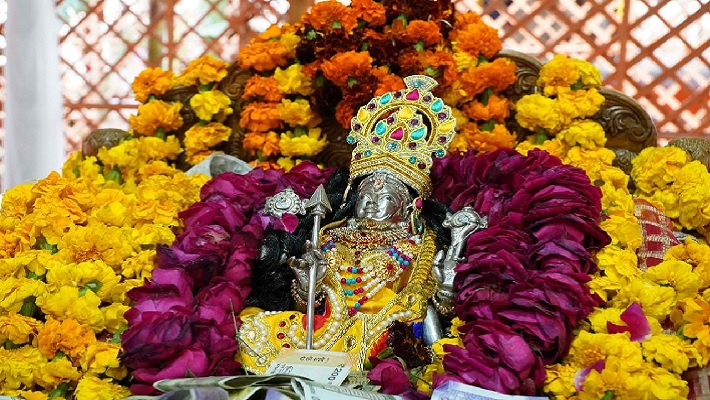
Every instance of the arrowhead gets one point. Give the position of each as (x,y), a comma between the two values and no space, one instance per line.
(318,203)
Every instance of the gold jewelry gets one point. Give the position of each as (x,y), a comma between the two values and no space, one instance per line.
(391,135)
(446,310)
(299,296)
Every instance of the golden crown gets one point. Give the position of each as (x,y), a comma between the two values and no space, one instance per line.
(390,134)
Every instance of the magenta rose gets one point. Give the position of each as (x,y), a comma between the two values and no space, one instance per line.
(224,293)
(168,289)
(158,337)
(391,376)
(305,177)
(206,239)
(220,348)
(188,363)
(494,357)
(569,226)
(200,267)
(561,255)
(220,212)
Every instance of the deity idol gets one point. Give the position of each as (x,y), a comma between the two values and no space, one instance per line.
(384,255)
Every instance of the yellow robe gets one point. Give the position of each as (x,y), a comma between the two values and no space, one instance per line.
(263,334)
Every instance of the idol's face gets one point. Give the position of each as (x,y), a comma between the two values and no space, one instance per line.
(380,202)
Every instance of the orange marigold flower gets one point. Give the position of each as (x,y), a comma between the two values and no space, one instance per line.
(477,39)
(387,82)
(471,137)
(329,15)
(262,88)
(263,56)
(264,143)
(369,11)
(351,64)
(498,109)
(260,117)
(426,31)
(469,18)
(497,75)
(204,70)
(344,113)
(153,81)
(272,32)
(69,336)
(444,64)
(156,114)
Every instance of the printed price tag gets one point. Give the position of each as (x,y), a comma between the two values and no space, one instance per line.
(326,367)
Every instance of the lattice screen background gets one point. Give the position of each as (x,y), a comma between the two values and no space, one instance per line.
(654,51)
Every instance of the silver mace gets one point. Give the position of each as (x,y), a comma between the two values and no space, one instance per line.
(318,205)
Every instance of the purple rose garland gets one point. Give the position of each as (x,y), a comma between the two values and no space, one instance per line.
(183,320)
(522,288)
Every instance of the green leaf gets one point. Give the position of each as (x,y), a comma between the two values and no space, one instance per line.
(433,72)
(482,60)
(160,132)
(204,88)
(403,18)
(41,244)
(94,286)
(320,80)
(577,85)
(337,25)
(28,306)
(9,345)
(352,82)
(488,125)
(386,353)
(608,395)
(486,95)
(115,175)
(311,34)
(419,46)
(540,136)
(59,391)
(117,336)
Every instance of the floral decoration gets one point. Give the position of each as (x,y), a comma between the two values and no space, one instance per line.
(72,245)
(182,322)
(162,117)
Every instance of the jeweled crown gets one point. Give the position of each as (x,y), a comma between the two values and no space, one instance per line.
(391,135)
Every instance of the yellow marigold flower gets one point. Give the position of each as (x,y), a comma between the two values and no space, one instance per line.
(292,80)
(290,41)
(624,230)
(670,352)
(156,149)
(70,169)
(536,111)
(599,317)
(210,103)
(658,383)
(657,167)
(89,275)
(695,254)
(560,380)
(463,59)
(203,137)
(677,274)
(455,95)
(156,168)
(149,235)
(115,213)
(578,103)
(297,113)
(589,348)
(152,81)
(113,314)
(29,395)
(100,358)
(14,291)
(93,388)
(696,313)
(553,146)
(68,303)
(427,376)
(203,70)
(67,336)
(302,145)
(586,133)
(438,346)
(615,378)
(691,184)
(616,201)
(560,71)
(154,115)
(18,366)
(119,296)
(56,372)
(656,300)
(619,264)
(124,155)
(17,328)
(96,242)
(588,73)
(15,201)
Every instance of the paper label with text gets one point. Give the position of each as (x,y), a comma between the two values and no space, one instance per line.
(326,367)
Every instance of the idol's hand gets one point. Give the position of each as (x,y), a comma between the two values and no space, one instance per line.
(443,271)
(311,258)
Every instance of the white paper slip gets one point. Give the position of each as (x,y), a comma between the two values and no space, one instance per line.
(307,390)
(326,367)
(458,391)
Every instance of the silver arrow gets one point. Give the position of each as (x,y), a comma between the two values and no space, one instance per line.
(318,205)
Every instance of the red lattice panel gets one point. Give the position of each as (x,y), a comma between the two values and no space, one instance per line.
(655,51)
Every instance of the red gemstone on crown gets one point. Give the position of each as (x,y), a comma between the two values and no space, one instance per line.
(398,134)
(413,95)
